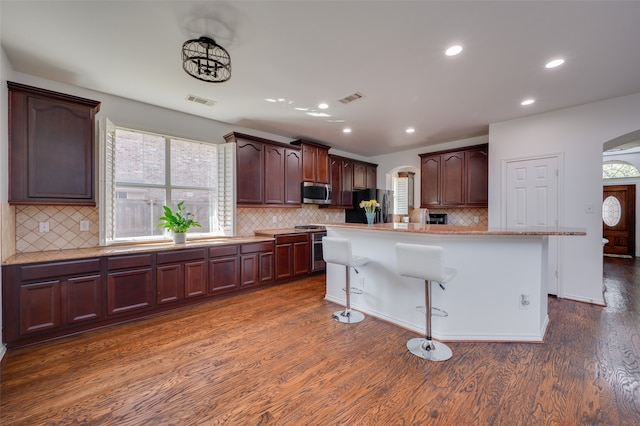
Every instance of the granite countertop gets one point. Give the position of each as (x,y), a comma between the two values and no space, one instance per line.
(116,250)
(283,231)
(457,229)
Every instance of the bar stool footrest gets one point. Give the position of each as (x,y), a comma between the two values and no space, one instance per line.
(435,312)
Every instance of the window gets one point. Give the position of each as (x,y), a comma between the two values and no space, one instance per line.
(142,172)
(619,169)
(403,190)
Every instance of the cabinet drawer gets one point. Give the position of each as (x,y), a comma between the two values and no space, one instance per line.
(256,247)
(57,269)
(180,256)
(291,238)
(124,262)
(223,251)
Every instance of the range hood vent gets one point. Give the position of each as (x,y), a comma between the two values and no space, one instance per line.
(199,100)
(352,97)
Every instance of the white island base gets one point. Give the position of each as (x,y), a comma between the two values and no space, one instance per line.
(484,299)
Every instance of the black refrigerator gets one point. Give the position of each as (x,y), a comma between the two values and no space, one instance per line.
(384,213)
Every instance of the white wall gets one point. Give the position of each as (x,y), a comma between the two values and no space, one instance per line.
(579,133)
(6,73)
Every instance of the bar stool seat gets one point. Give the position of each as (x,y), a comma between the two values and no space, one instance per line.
(425,262)
(338,251)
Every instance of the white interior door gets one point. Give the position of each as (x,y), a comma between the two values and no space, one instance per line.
(532,200)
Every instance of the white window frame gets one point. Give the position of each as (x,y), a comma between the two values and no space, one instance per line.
(223,222)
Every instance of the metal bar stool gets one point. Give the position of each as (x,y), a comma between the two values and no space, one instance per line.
(338,251)
(425,262)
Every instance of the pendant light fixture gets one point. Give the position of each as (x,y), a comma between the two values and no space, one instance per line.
(206,60)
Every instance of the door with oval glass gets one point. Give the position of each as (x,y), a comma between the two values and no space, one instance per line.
(618,219)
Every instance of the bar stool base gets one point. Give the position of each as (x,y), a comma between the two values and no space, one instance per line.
(350,317)
(438,352)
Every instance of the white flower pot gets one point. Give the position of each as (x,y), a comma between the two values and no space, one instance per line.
(179,237)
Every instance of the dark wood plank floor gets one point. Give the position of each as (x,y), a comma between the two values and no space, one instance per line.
(275,357)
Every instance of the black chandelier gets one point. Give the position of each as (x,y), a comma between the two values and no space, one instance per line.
(205,60)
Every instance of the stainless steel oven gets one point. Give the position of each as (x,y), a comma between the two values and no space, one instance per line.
(317,261)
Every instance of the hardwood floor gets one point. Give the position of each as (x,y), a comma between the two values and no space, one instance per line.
(275,357)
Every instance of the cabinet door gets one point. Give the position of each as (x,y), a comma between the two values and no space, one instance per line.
(51,145)
(250,172)
(284,261)
(336,181)
(453,179)
(195,279)
(129,290)
(322,171)
(292,167)
(266,269)
(301,258)
(430,181)
(273,175)
(347,183)
(39,306)
(169,283)
(359,176)
(249,267)
(223,275)
(84,298)
(477,161)
(372,177)
(309,163)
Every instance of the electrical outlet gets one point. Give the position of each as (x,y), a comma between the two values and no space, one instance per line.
(326,217)
(476,219)
(84,225)
(525,301)
(43,226)
(275,219)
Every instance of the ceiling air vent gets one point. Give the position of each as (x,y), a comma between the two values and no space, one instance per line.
(352,97)
(199,100)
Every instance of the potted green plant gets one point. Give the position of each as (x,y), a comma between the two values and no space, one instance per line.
(178,223)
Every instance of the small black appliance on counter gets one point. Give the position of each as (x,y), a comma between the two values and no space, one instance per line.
(437,218)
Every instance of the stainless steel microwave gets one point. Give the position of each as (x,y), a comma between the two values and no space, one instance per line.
(316,193)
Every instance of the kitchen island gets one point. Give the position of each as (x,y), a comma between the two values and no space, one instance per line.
(498,294)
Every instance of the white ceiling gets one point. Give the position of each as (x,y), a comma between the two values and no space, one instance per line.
(313,51)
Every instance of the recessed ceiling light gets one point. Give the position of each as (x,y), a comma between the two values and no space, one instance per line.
(335,121)
(346,130)
(453,50)
(270,100)
(410,130)
(323,106)
(554,63)
(318,114)
(527,102)
(301,109)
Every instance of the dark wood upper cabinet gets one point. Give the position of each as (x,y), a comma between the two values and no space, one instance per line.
(453,179)
(268,172)
(477,176)
(51,147)
(456,178)
(315,161)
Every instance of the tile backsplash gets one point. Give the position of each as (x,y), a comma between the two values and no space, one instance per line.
(64,228)
(64,223)
(273,218)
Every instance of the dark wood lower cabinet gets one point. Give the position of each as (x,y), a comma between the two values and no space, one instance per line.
(180,274)
(84,299)
(129,290)
(39,306)
(41,301)
(293,255)
(256,264)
